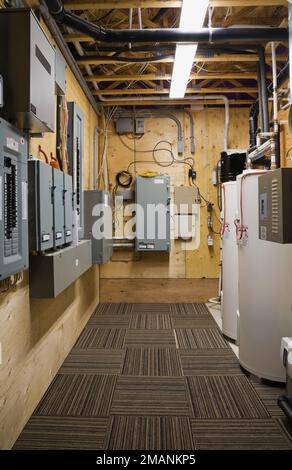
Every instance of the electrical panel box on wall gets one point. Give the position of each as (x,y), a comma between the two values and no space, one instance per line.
(125,126)
(40,204)
(68,208)
(75,147)
(58,208)
(153,213)
(27,63)
(185,199)
(102,247)
(275,206)
(13,201)
(139,126)
(60,73)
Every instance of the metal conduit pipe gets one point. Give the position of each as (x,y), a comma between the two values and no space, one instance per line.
(57,36)
(177,35)
(150,114)
(192,132)
(264,92)
(197,98)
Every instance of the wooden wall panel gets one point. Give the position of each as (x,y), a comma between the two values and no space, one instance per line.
(157,290)
(209,130)
(37,335)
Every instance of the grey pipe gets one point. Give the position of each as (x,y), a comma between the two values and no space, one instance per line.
(260,96)
(56,33)
(264,95)
(192,132)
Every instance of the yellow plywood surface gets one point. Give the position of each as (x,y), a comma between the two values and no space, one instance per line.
(209,130)
(37,335)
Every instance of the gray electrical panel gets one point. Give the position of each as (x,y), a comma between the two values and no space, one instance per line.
(60,73)
(27,63)
(40,205)
(75,147)
(153,213)
(275,206)
(125,126)
(102,243)
(13,201)
(58,208)
(68,208)
(51,273)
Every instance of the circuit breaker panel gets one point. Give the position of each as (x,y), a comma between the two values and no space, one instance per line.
(58,208)
(68,208)
(75,153)
(13,201)
(153,213)
(102,246)
(40,200)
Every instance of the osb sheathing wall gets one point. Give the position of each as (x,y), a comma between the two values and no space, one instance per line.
(183,275)
(37,335)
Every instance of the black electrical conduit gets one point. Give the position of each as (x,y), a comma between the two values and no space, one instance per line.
(205,35)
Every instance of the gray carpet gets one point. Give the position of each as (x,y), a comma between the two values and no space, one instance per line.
(155,377)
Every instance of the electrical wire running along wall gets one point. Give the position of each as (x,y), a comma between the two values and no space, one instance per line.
(180,264)
(37,335)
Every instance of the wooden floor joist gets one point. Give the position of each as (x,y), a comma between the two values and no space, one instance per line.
(216,58)
(167,76)
(156,102)
(165,91)
(125,4)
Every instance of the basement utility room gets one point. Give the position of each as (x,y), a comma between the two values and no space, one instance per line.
(145,232)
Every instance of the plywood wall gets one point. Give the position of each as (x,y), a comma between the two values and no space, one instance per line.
(180,264)
(37,335)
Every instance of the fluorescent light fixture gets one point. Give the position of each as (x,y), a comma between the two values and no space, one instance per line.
(192,17)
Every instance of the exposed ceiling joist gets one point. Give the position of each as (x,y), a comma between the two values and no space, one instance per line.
(125,4)
(199,58)
(193,102)
(165,91)
(167,76)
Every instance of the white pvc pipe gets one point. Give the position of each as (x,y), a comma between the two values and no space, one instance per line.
(275,84)
(140,18)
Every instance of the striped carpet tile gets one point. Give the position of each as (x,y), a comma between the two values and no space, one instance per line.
(286,427)
(152,362)
(113,309)
(193,322)
(150,396)
(238,434)
(58,433)
(269,395)
(150,433)
(190,310)
(153,321)
(78,395)
(93,361)
(224,397)
(104,338)
(151,308)
(209,362)
(137,338)
(110,321)
(201,338)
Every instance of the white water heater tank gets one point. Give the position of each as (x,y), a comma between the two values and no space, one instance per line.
(265,288)
(229,260)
